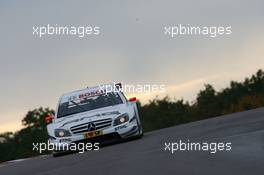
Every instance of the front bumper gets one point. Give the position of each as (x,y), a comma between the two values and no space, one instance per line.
(122,131)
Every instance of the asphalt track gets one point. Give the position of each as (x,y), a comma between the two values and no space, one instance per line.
(244,130)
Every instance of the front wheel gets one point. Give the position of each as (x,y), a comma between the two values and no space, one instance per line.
(59,153)
(140,131)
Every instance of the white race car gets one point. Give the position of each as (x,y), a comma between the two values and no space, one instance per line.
(96,113)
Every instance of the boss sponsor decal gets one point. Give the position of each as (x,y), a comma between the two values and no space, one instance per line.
(84,95)
(92,93)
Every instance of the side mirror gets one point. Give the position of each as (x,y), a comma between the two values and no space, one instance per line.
(133,99)
(48,119)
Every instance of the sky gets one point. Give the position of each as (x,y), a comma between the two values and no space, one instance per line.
(131,48)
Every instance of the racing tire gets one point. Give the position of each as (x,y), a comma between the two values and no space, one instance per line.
(57,154)
(140,132)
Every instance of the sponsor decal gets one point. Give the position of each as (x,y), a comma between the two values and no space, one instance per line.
(65,140)
(92,93)
(84,95)
(120,127)
(92,134)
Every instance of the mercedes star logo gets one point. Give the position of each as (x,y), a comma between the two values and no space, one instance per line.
(91,127)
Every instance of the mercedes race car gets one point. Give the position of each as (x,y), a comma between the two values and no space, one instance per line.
(95,113)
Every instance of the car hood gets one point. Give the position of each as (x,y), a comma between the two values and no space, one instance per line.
(84,117)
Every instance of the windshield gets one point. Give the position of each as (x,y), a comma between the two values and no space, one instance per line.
(89,103)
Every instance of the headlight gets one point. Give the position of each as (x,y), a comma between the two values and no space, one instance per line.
(121,119)
(62,133)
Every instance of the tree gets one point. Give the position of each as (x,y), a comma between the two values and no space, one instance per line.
(19,145)
(207,103)
(36,118)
